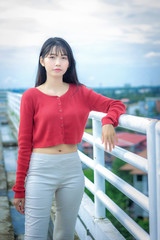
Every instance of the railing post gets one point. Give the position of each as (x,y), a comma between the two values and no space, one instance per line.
(99,181)
(152,186)
(158,176)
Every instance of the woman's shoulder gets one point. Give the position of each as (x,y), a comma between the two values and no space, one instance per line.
(29,93)
(81,87)
(84,89)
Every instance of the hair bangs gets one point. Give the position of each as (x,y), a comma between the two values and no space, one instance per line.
(56,49)
(60,49)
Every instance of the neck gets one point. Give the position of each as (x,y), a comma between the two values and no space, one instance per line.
(54,83)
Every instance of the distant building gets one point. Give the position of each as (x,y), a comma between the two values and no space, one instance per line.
(125,100)
(152,105)
(131,141)
(149,108)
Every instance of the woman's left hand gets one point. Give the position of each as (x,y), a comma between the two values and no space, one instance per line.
(109,136)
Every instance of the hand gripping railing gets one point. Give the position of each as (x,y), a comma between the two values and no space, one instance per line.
(148,203)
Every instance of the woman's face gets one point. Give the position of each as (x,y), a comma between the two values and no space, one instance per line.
(56,63)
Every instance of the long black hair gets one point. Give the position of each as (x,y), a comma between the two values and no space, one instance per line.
(61,45)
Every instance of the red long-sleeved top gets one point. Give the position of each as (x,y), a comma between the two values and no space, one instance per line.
(47,120)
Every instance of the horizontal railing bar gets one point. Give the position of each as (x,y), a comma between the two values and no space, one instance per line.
(14,94)
(122,217)
(127,189)
(88,138)
(129,157)
(89,185)
(15,111)
(13,122)
(86,160)
(134,123)
(125,155)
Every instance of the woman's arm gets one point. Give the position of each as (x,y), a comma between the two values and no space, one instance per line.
(100,103)
(24,143)
(113,108)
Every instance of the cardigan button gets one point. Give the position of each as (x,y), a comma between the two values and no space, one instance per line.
(60,110)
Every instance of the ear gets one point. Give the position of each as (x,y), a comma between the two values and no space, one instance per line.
(41,61)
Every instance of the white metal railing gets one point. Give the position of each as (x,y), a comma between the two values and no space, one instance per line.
(158,176)
(151,165)
(150,203)
(14,100)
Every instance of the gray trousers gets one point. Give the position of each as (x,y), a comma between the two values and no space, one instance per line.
(48,176)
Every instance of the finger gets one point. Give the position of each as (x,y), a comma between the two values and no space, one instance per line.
(116,139)
(105,142)
(18,206)
(102,139)
(20,210)
(110,145)
(112,142)
(22,207)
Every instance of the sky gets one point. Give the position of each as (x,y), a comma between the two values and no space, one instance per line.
(114,42)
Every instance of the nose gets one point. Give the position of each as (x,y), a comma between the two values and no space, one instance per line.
(57,63)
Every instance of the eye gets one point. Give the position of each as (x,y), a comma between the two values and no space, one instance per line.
(65,57)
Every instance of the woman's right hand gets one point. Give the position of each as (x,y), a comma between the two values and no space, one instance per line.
(19,204)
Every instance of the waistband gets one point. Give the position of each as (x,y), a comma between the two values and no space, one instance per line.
(53,156)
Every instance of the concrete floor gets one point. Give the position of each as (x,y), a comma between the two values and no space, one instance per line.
(6,228)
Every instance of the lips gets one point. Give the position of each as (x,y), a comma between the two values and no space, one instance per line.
(57,69)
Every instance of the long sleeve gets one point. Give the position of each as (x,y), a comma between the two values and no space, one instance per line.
(113,108)
(24,142)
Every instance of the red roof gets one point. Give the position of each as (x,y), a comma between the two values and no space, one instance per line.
(126,139)
(86,144)
(143,153)
(133,170)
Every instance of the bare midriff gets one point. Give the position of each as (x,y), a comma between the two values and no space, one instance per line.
(58,149)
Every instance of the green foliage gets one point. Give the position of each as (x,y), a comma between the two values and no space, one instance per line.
(143,223)
(117,164)
(89,173)
(88,130)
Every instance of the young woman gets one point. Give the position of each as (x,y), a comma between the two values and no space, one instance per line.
(53,115)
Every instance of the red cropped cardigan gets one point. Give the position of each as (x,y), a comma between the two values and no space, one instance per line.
(47,120)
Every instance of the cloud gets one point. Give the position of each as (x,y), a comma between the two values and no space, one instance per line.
(147,3)
(101,33)
(152,54)
(156,42)
(83,22)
